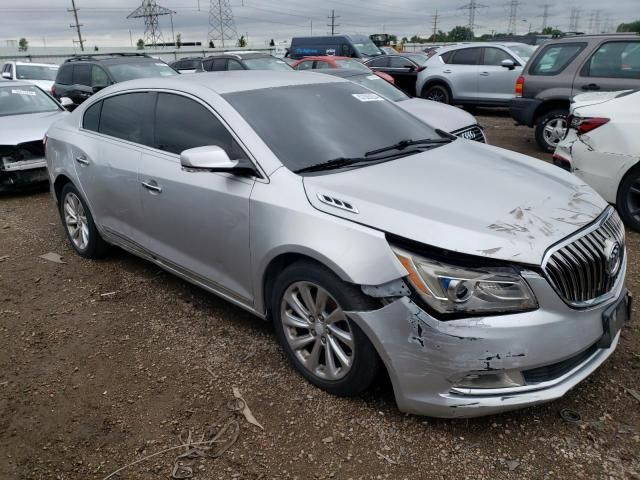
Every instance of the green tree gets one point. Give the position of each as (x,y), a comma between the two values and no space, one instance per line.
(140,44)
(405,40)
(439,36)
(242,42)
(178,40)
(393,39)
(95,48)
(23,44)
(416,39)
(551,31)
(629,27)
(460,34)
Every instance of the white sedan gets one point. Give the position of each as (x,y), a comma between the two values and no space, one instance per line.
(602,147)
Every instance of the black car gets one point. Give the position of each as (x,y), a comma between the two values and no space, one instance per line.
(188,65)
(243,61)
(403,68)
(80,77)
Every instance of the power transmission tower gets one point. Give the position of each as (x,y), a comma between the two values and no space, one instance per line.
(545,15)
(435,26)
(77,25)
(513,16)
(472,6)
(574,19)
(592,17)
(222,26)
(333,24)
(150,11)
(596,23)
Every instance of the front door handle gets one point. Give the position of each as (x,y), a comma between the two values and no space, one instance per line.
(446,71)
(82,159)
(484,74)
(154,187)
(591,86)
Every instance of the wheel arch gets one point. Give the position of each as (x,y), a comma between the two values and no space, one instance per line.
(631,169)
(436,81)
(59,183)
(549,105)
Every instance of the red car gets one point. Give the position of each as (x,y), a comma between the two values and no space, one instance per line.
(329,61)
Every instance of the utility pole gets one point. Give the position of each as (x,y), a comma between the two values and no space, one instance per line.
(592,18)
(513,16)
(596,24)
(310,27)
(545,15)
(472,6)
(77,25)
(435,26)
(574,19)
(333,24)
(222,25)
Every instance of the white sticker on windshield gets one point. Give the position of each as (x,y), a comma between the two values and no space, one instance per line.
(368,97)
(373,77)
(23,92)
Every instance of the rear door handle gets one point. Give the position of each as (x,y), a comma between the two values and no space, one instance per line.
(484,74)
(82,159)
(446,71)
(591,86)
(153,186)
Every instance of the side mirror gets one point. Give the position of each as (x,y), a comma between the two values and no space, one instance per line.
(66,102)
(211,158)
(6,75)
(411,68)
(508,64)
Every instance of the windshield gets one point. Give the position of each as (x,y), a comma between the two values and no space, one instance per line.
(380,86)
(364,46)
(354,64)
(130,71)
(36,72)
(266,63)
(523,51)
(21,100)
(315,123)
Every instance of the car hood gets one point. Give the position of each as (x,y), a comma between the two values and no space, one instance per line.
(438,115)
(464,197)
(15,129)
(594,98)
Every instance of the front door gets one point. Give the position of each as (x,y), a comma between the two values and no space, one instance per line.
(495,82)
(196,222)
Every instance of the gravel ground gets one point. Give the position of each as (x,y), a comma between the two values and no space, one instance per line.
(103,363)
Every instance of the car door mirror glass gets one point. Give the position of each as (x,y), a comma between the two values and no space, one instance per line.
(211,158)
(510,64)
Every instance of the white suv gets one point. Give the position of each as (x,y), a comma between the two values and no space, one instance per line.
(41,74)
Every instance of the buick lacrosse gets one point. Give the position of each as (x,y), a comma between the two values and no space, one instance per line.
(478,279)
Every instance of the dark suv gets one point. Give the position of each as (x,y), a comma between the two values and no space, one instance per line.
(80,77)
(243,61)
(566,67)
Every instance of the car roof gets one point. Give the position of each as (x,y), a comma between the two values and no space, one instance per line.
(227,81)
(111,58)
(609,36)
(241,55)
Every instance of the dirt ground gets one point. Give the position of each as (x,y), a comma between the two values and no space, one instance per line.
(104,363)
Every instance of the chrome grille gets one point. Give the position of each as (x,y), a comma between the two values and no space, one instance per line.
(473,132)
(578,269)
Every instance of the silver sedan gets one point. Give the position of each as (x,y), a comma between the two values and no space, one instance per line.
(479,279)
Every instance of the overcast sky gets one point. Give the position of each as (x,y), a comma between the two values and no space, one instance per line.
(105,22)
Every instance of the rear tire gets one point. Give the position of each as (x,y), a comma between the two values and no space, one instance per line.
(437,93)
(550,129)
(628,199)
(79,225)
(323,344)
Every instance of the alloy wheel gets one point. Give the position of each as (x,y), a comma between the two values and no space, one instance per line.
(317,330)
(633,199)
(554,131)
(437,95)
(75,220)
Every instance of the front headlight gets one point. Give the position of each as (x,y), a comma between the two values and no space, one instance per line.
(450,289)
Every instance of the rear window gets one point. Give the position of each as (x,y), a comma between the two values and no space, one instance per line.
(64,75)
(555,58)
(82,74)
(122,72)
(614,60)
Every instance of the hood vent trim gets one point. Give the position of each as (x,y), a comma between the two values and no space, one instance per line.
(337,203)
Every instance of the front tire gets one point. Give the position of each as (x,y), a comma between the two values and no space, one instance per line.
(320,341)
(437,93)
(79,225)
(628,201)
(550,129)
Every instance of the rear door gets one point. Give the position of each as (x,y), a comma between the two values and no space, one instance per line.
(495,82)
(462,71)
(614,65)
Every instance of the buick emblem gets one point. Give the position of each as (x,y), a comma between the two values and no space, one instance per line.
(613,257)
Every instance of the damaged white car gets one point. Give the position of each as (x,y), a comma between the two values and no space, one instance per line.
(481,280)
(602,147)
(26,112)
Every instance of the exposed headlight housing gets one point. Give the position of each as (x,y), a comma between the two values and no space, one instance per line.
(455,290)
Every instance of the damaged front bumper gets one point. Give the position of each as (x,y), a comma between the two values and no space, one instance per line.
(22,166)
(553,349)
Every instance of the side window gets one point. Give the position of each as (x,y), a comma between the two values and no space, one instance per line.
(208,65)
(321,64)
(234,65)
(495,56)
(182,123)
(219,64)
(347,51)
(306,65)
(99,77)
(400,62)
(64,76)
(82,74)
(381,61)
(614,60)
(447,56)
(466,56)
(127,116)
(91,120)
(555,58)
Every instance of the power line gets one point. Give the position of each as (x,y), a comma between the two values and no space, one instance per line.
(333,22)
(77,25)
(472,6)
(222,25)
(150,11)
(513,16)
(574,19)
(596,23)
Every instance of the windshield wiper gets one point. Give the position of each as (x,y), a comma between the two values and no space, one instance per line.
(331,164)
(402,144)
